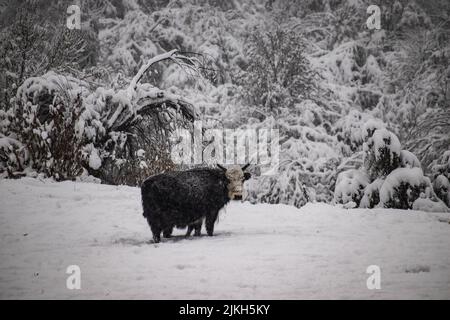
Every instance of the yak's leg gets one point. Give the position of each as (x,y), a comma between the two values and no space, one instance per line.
(198,228)
(156,230)
(167,232)
(156,235)
(209,223)
(189,230)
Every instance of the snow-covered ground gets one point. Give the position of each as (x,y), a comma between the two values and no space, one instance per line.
(258,251)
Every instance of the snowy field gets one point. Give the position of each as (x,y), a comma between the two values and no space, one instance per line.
(258,251)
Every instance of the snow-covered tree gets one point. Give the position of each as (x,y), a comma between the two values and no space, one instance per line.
(35,40)
(278,73)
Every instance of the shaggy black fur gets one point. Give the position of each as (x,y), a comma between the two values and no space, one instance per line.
(184,198)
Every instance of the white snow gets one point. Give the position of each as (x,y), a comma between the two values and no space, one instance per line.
(384,138)
(412,176)
(369,192)
(348,184)
(94,159)
(372,125)
(409,160)
(8,143)
(258,251)
(143,165)
(51,82)
(441,181)
(428,205)
(140,153)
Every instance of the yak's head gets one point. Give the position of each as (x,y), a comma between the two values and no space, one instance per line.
(236,177)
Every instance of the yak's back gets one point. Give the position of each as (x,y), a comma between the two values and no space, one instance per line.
(195,189)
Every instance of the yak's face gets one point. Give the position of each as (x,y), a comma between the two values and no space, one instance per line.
(236,177)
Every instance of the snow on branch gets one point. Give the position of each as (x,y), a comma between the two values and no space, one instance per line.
(173,55)
(128,103)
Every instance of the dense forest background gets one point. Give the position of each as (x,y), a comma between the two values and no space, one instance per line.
(363,115)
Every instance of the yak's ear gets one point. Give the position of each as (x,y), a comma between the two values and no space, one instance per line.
(223,168)
(247,175)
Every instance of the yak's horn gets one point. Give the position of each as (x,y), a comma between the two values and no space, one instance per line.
(246,166)
(223,168)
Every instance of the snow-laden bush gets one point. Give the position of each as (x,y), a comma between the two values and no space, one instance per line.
(371,196)
(45,117)
(441,187)
(43,120)
(396,177)
(350,186)
(381,153)
(403,186)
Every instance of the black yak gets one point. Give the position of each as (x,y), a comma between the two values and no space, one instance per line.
(184,198)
